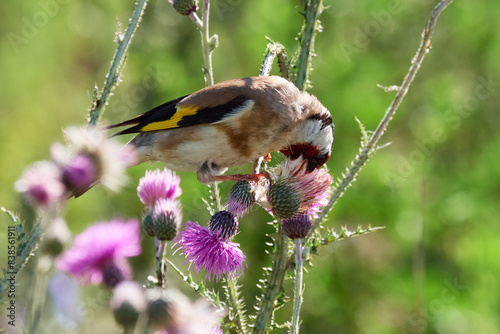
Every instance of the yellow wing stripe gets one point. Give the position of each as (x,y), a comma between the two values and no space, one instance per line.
(173,121)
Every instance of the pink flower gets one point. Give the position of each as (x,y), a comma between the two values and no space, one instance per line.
(41,185)
(210,250)
(99,253)
(158,184)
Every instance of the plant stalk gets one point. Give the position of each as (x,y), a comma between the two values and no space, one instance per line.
(113,76)
(297,298)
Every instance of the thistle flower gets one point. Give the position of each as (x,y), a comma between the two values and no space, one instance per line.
(41,185)
(158,184)
(210,250)
(300,192)
(297,227)
(80,172)
(224,222)
(185,7)
(99,253)
(240,199)
(91,157)
(169,311)
(128,302)
(163,220)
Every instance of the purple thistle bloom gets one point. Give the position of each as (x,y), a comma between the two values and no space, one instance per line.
(99,253)
(158,184)
(312,189)
(80,172)
(108,155)
(41,185)
(208,250)
(315,189)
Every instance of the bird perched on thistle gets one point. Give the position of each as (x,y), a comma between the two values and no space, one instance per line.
(232,123)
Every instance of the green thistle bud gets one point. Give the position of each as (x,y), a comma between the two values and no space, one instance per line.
(284,199)
(225,222)
(147,224)
(185,7)
(241,199)
(128,303)
(164,226)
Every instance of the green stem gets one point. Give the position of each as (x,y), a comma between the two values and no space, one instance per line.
(235,305)
(297,298)
(41,282)
(161,266)
(274,284)
(112,78)
(207,52)
(313,11)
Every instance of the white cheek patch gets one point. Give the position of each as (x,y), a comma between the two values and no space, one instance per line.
(312,131)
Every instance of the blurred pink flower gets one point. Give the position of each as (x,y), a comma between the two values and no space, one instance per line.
(99,253)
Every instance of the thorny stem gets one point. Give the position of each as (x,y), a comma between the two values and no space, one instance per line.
(297,293)
(161,266)
(367,150)
(113,76)
(275,50)
(313,11)
(236,306)
(274,283)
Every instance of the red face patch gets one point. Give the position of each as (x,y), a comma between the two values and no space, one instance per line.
(306,150)
(309,152)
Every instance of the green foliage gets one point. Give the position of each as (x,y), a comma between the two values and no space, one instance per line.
(445,141)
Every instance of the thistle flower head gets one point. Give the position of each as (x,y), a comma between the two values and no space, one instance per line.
(41,185)
(127,303)
(297,227)
(158,184)
(297,192)
(224,222)
(207,249)
(90,157)
(185,7)
(169,311)
(99,253)
(241,198)
(80,172)
(164,219)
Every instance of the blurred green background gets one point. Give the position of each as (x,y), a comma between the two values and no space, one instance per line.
(435,267)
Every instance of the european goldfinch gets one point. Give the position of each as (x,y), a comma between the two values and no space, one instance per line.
(232,123)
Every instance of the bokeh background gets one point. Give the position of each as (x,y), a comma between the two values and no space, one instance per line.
(433,269)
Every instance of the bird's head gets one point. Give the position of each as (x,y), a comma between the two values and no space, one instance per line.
(311,142)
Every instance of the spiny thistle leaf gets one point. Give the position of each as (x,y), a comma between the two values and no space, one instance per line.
(27,243)
(332,236)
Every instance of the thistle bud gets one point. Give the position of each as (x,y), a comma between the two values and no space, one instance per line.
(128,303)
(241,199)
(158,309)
(284,199)
(147,223)
(297,227)
(225,222)
(166,218)
(185,7)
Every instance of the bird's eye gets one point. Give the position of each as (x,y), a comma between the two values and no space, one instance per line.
(317,161)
